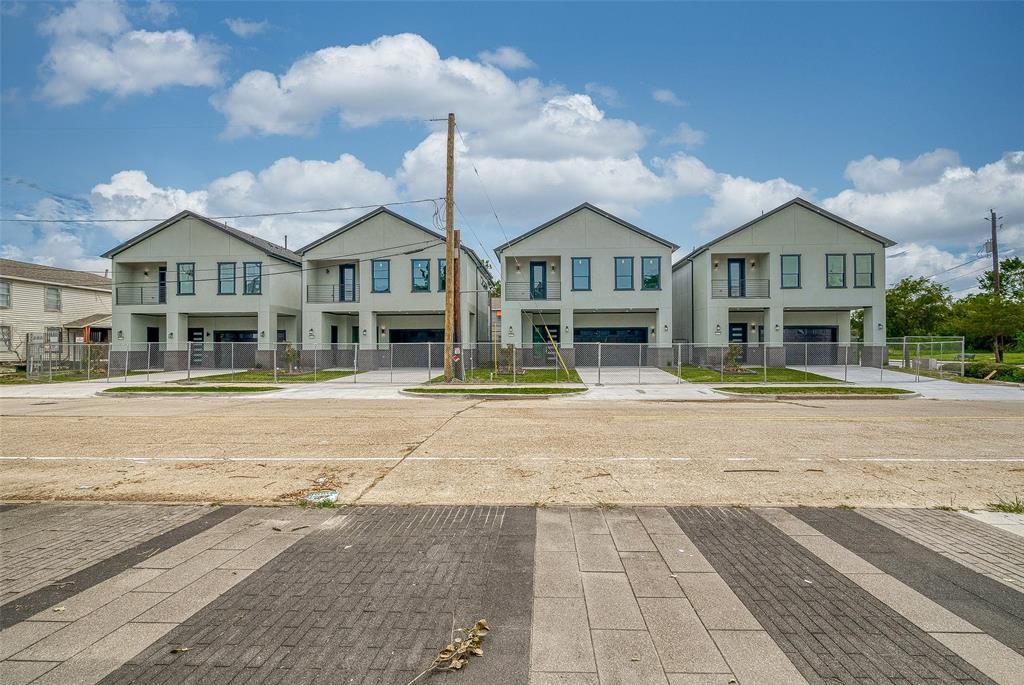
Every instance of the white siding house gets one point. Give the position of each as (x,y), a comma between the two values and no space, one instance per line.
(792,275)
(50,305)
(586,276)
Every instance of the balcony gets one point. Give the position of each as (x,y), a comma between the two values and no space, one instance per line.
(324,294)
(142,294)
(743,287)
(522,292)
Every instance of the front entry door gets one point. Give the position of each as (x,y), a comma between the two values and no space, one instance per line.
(347,284)
(161,288)
(152,334)
(538,281)
(195,335)
(737,278)
(334,335)
(738,336)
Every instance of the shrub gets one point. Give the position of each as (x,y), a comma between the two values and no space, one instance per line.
(1003,372)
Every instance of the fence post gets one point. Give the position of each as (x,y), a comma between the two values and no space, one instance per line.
(764,360)
(188,361)
(846,362)
(639,364)
(918,362)
(275,362)
(149,359)
(232,358)
(430,346)
(391,349)
(88,362)
(127,350)
(109,347)
(599,363)
(962,360)
(807,350)
(49,364)
(513,346)
(721,364)
(355,362)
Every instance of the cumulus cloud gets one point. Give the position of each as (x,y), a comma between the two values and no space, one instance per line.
(872,175)
(666,97)
(685,135)
(94,49)
(608,95)
(245,28)
(736,200)
(506,57)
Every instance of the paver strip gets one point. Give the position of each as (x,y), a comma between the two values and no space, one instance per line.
(994,607)
(371,600)
(95,631)
(832,630)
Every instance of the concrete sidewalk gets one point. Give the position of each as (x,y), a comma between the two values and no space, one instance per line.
(930,388)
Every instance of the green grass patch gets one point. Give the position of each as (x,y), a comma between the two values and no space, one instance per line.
(701,374)
(463,390)
(946,376)
(63,376)
(1008,506)
(192,388)
(523,376)
(264,376)
(813,390)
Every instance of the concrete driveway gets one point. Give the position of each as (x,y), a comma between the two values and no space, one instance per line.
(931,388)
(626,375)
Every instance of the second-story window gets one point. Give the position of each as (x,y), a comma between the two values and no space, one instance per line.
(186,278)
(52,299)
(863,271)
(5,295)
(835,271)
(581,273)
(421,275)
(623,273)
(442,275)
(650,273)
(790,271)
(381,275)
(253,278)
(226,278)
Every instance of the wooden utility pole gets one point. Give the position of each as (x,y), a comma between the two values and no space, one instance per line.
(995,254)
(450,296)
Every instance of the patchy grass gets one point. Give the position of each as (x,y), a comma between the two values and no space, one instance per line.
(465,390)
(813,390)
(264,376)
(193,388)
(523,376)
(936,375)
(1008,506)
(701,374)
(63,376)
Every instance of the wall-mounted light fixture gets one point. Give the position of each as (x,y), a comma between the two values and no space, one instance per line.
(753,263)
(511,331)
(517,267)
(715,263)
(666,327)
(263,334)
(170,335)
(777,327)
(120,335)
(718,329)
(327,270)
(753,325)
(566,328)
(364,332)
(145,272)
(207,334)
(310,332)
(552,267)
(880,326)
(383,330)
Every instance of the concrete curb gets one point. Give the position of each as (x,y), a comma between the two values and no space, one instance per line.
(804,396)
(486,396)
(104,393)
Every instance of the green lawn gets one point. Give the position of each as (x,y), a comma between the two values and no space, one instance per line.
(193,388)
(527,376)
(815,390)
(700,374)
(63,376)
(948,376)
(264,376)
(533,390)
(979,355)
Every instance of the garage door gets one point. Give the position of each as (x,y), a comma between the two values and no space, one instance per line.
(610,335)
(416,335)
(798,353)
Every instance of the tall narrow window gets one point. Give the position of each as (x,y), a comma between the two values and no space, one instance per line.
(421,275)
(650,273)
(790,271)
(225,278)
(5,338)
(52,299)
(253,278)
(186,278)
(863,271)
(381,275)
(53,335)
(581,273)
(623,273)
(835,271)
(5,295)
(442,275)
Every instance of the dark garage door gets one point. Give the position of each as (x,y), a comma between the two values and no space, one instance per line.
(610,335)
(797,353)
(416,335)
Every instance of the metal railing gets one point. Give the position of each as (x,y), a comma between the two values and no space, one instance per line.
(523,290)
(320,294)
(141,294)
(744,287)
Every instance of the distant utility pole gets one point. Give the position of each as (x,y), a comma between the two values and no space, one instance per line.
(450,263)
(995,254)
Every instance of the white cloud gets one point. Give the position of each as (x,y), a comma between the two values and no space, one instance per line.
(736,200)
(245,28)
(874,175)
(92,49)
(506,57)
(608,95)
(685,135)
(159,12)
(666,97)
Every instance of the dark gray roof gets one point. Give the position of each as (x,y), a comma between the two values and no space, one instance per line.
(52,274)
(598,210)
(795,201)
(264,246)
(384,210)
(92,320)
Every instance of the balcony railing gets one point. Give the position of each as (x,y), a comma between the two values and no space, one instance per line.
(537,291)
(142,294)
(320,294)
(743,287)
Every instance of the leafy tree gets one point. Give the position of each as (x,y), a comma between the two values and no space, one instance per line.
(989,316)
(916,306)
(1011,279)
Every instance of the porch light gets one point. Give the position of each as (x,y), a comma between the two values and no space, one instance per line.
(263,334)
(207,334)
(310,332)
(880,325)
(145,272)
(715,263)
(364,331)
(566,328)
(552,267)
(776,327)
(753,263)
(383,329)
(666,327)
(170,335)
(718,329)
(510,331)
(753,325)
(517,267)
(120,335)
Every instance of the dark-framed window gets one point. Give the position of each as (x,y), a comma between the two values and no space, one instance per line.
(835,271)
(864,270)
(650,273)
(252,278)
(790,271)
(186,278)
(421,275)
(5,294)
(623,273)
(581,273)
(381,272)
(442,274)
(52,298)
(5,338)
(226,278)
(53,335)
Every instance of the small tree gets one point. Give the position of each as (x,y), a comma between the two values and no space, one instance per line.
(290,355)
(987,314)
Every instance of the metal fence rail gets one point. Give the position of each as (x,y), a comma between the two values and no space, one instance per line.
(493,363)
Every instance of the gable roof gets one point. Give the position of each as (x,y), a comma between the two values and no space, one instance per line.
(265,246)
(384,210)
(799,201)
(52,274)
(596,210)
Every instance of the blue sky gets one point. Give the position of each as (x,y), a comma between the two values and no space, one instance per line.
(687,119)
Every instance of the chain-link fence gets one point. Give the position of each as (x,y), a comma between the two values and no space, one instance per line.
(493,363)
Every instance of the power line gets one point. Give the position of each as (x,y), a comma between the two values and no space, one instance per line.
(38,220)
